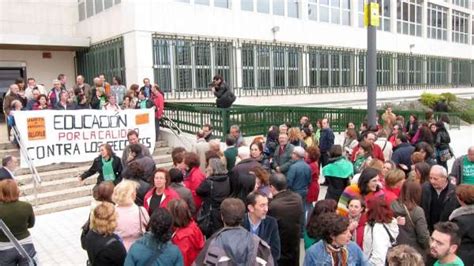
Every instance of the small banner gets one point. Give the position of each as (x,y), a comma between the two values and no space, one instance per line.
(75,136)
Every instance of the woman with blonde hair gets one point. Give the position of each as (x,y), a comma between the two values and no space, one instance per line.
(102,245)
(132,219)
(404,255)
(295,137)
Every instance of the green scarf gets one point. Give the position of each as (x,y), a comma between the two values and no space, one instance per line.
(108,170)
(103,101)
(340,168)
(143,104)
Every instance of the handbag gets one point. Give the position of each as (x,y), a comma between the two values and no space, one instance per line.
(140,220)
(444,155)
(204,216)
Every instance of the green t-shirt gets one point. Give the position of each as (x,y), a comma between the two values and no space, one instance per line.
(468,171)
(457,262)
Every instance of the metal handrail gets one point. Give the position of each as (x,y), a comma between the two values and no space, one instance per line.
(15,242)
(174,126)
(34,172)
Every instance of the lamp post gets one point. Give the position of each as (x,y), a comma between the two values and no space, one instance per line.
(372,18)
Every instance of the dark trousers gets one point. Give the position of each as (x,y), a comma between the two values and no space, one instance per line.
(11,257)
(324,158)
(157,128)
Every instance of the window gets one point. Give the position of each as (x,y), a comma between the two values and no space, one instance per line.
(437,22)
(99,6)
(184,65)
(409,13)
(263,6)
(248,66)
(461,72)
(462,3)
(82,10)
(202,2)
(278,7)
(222,3)
(384,12)
(362,65)
(384,69)
(275,66)
(108,3)
(459,27)
(410,70)
(335,11)
(313,9)
(89,8)
(293,9)
(246,5)
(437,71)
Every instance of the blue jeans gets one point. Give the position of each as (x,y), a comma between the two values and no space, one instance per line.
(11,257)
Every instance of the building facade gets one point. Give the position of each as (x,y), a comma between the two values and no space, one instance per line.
(261,47)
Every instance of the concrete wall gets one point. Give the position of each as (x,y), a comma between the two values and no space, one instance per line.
(45,22)
(43,70)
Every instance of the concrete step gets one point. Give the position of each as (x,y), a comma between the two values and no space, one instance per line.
(7,145)
(64,194)
(63,205)
(60,195)
(162,154)
(4,152)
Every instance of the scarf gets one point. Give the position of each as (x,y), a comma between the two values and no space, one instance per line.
(108,170)
(143,104)
(339,255)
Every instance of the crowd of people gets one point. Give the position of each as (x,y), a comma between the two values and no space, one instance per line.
(389,200)
(102,95)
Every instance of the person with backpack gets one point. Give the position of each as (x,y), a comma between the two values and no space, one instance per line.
(233,244)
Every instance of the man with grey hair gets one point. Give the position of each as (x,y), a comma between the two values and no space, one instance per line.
(235,132)
(54,93)
(82,87)
(200,148)
(282,156)
(242,182)
(438,198)
(462,171)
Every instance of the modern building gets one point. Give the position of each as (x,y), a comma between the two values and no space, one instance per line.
(261,47)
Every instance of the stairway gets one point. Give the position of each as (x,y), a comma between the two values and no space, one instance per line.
(60,190)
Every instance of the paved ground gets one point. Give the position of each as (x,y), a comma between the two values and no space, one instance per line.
(56,236)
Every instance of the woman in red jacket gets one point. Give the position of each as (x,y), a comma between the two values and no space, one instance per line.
(187,235)
(195,176)
(159,102)
(160,194)
(312,158)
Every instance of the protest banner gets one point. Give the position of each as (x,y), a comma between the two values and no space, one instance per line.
(74,136)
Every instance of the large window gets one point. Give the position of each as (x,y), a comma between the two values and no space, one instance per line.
(329,68)
(437,22)
(273,66)
(460,22)
(246,5)
(410,70)
(279,7)
(461,72)
(462,3)
(335,11)
(384,69)
(384,11)
(222,3)
(183,65)
(293,7)
(263,6)
(409,15)
(437,71)
(89,8)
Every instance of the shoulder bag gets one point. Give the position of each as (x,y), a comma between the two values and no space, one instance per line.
(204,216)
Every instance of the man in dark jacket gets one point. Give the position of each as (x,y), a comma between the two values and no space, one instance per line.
(286,207)
(135,154)
(241,181)
(464,217)
(258,223)
(225,97)
(326,140)
(282,156)
(403,151)
(63,103)
(233,243)
(438,198)
(9,165)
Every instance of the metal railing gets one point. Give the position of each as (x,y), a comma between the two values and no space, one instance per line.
(174,128)
(15,243)
(25,156)
(256,120)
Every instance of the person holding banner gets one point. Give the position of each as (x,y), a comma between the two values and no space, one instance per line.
(143,101)
(107,164)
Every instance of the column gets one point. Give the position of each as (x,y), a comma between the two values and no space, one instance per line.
(138,53)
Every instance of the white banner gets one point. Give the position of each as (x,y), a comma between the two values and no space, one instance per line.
(75,136)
